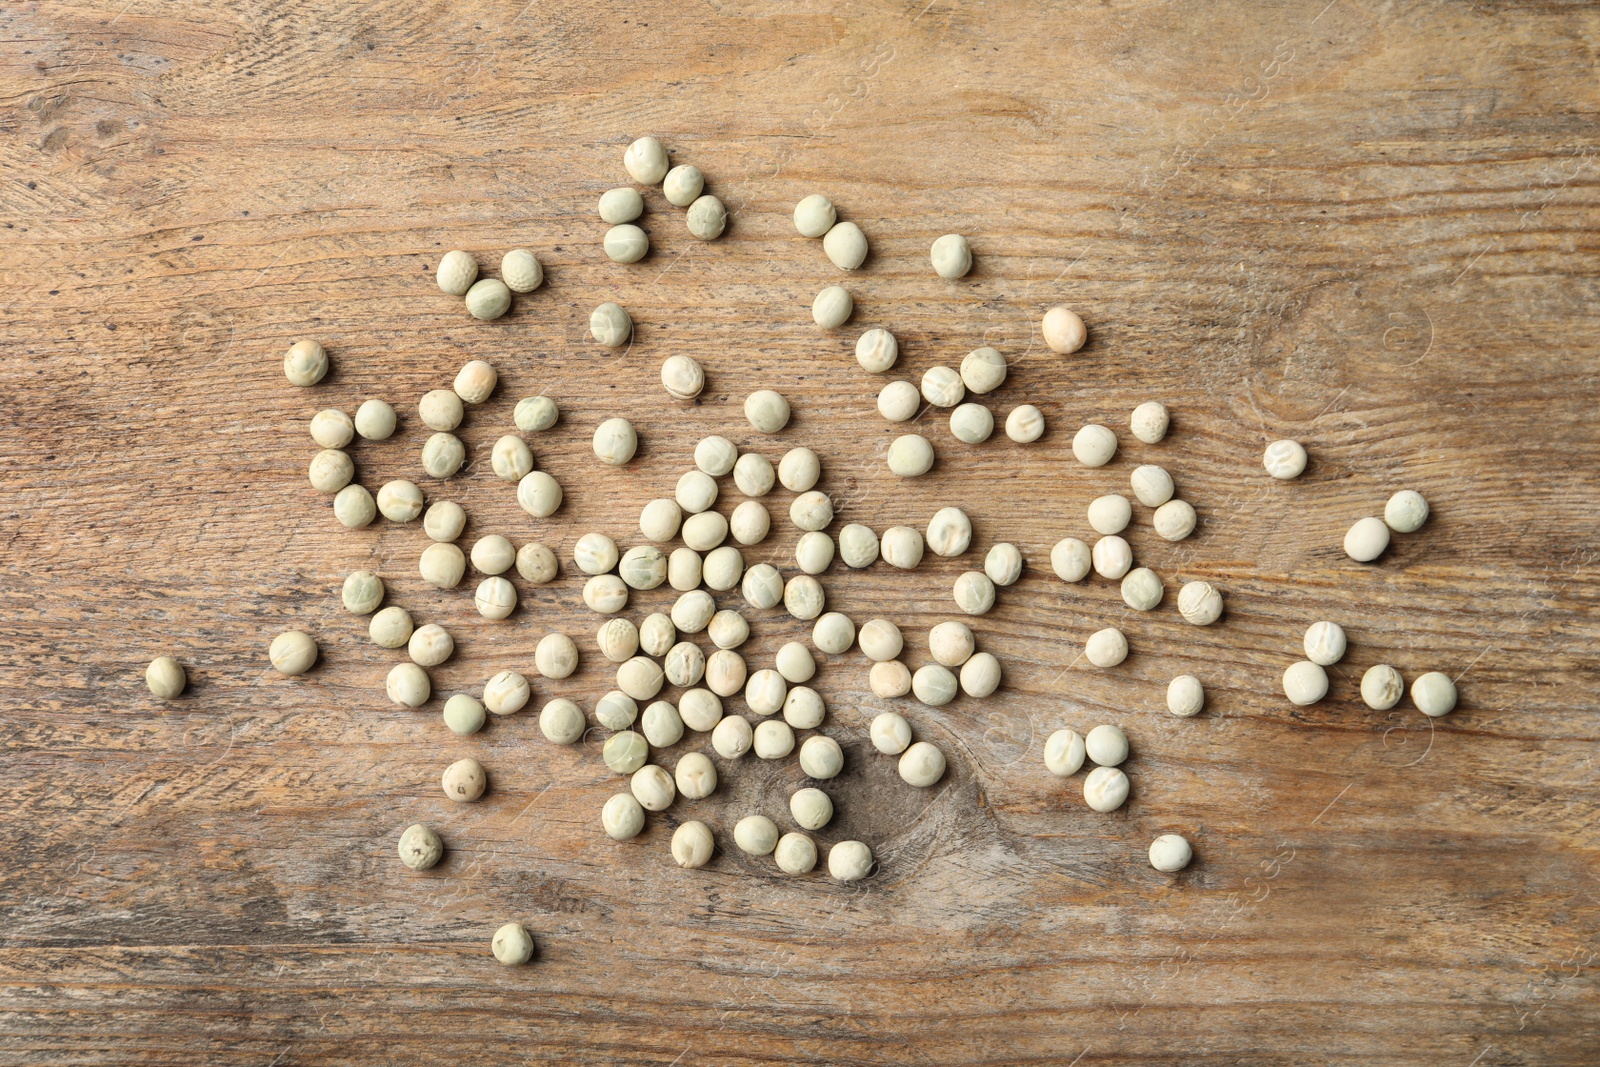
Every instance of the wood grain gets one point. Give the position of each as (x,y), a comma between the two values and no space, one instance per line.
(1370,227)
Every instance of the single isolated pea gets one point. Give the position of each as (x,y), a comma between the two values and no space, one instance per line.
(441,409)
(506,693)
(1185,696)
(974,593)
(488,299)
(408,685)
(890,733)
(683,184)
(814,215)
(457,271)
(1305,683)
(1105,788)
(756,835)
(1434,694)
(951,256)
(1200,603)
(922,765)
(811,808)
(692,845)
(292,652)
(1064,752)
(1325,643)
(626,243)
(767,411)
(362,593)
(354,507)
(420,847)
(464,714)
(375,420)
(512,944)
(1174,520)
(534,414)
(521,270)
(620,205)
(910,455)
(332,428)
(1094,445)
(1025,424)
(391,627)
(1406,511)
(306,363)
(899,401)
(610,325)
(475,381)
(1170,852)
(622,817)
(1106,648)
(706,218)
(1382,687)
(464,780)
(645,160)
(1284,460)
(165,677)
(682,377)
(1366,540)
(1149,422)
(971,424)
(877,350)
(832,307)
(845,245)
(1064,331)
(615,442)
(949,532)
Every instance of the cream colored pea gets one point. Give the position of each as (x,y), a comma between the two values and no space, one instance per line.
(1142,589)
(1063,330)
(512,945)
(1174,520)
(723,568)
(556,656)
(1064,751)
(1070,559)
(1185,696)
(521,270)
(620,205)
(803,597)
(625,752)
(974,593)
(354,507)
(511,459)
(400,500)
(858,546)
(618,640)
(934,685)
(910,455)
(1106,648)
(682,377)
(685,664)
(1325,643)
(799,470)
(1382,687)
(1094,445)
(616,710)
(942,387)
(408,685)
(441,409)
(1025,424)
(889,732)
(332,428)
(795,663)
(331,470)
(811,510)
(695,776)
(1149,422)
(1110,514)
(457,271)
(700,709)
(625,243)
(971,424)
(442,565)
(292,652)
(705,531)
(983,370)
(660,520)
(535,414)
(814,216)
(1434,694)
(493,554)
(756,835)
(475,381)
(1285,460)
(1106,745)
(951,643)
(464,780)
(765,691)
(615,442)
(762,586)
(430,645)
(692,611)
(750,523)
(610,325)
(645,161)
(495,598)
(464,714)
(657,634)
(1366,540)
(595,553)
(539,495)
(444,521)
(506,693)
(833,634)
(922,765)
(889,679)
(537,563)
(682,185)
(641,678)
(375,420)
(753,474)
(880,640)
(732,737)
(715,455)
(305,364)
(767,411)
(696,491)
(622,818)
(877,350)
(1406,511)
(1169,853)
(165,677)
(811,808)
(488,299)
(1151,485)
(832,307)
(706,218)
(1305,683)
(661,724)
(391,627)
(1003,564)
(845,245)
(980,675)
(728,629)
(442,455)
(1105,788)
(814,552)
(1200,603)
(795,854)
(1112,557)
(561,722)
(420,847)
(643,567)
(899,401)
(772,740)
(803,708)
(951,256)
(653,788)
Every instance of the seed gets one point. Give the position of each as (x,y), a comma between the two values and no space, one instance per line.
(1305,683)
(442,455)
(556,656)
(799,469)
(521,271)
(1025,424)
(625,752)
(723,566)
(753,473)
(795,854)
(814,551)
(610,325)
(706,218)
(495,598)
(331,470)
(640,678)
(430,645)
(762,586)
(1094,445)
(292,652)
(1434,694)
(1285,460)
(756,835)
(620,205)
(951,643)
(408,685)
(1106,745)
(858,546)
(622,817)
(814,216)
(512,945)
(616,710)
(1110,514)
(615,442)
(1325,643)
(511,459)
(1003,564)
(1406,511)
(375,420)
(445,519)
(493,554)
(1170,852)
(464,779)
(1185,696)
(353,506)
(391,627)
(695,776)
(442,565)
(877,350)
(803,597)
(1151,485)
(899,401)
(441,409)
(922,765)
(1070,559)
(1142,589)
(833,634)
(811,808)
(803,708)
(700,709)
(692,611)
(645,161)
(457,271)
(764,692)
(682,377)
(685,664)
(1382,687)
(1106,648)
(845,245)
(951,256)
(910,455)
(506,693)
(942,387)
(682,185)
(475,381)
(890,733)
(420,847)
(1366,540)
(728,629)
(980,675)
(332,428)
(489,298)
(653,788)
(1112,556)
(1200,603)
(306,363)
(1063,330)
(539,495)
(974,593)
(889,679)
(811,510)
(696,491)
(795,663)
(1063,753)
(768,412)
(165,677)
(1105,788)
(625,243)
(535,413)
(832,307)
(1174,520)
(934,685)
(464,714)
(561,722)
(983,370)
(971,424)
(705,531)
(772,740)
(537,563)
(750,523)
(732,737)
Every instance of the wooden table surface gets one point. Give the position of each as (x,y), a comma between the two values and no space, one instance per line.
(1366,226)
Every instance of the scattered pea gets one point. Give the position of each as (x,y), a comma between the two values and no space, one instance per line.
(1063,330)
(803,708)
(375,420)
(1434,694)
(625,243)
(556,656)
(1142,589)
(521,270)
(1071,559)
(980,675)
(537,563)
(1285,460)
(1152,485)
(890,733)
(391,627)
(1025,424)
(1366,540)
(620,205)
(331,470)
(430,645)
(615,442)
(442,565)
(622,817)
(833,634)
(464,714)
(795,853)
(707,218)
(922,765)
(561,722)
(772,740)
(877,350)
(1003,564)
(512,945)
(934,685)
(942,387)
(489,298)
(535,414)
(1200,603)
(1094,445)
(1406,511)
(1106,648)
(814,216)
(753,473)
(1185,696)
(1170,852)
(803,597)
(506,693)
(974,593)
(845,245)
(539,495)
(625,752)
(441,409)
(1149,422)
(442,455)
(332,428)
(756,835)
(1110,514)
(951,643)
(420,847)
(767,411)
(1174,520)
(910,455)
(951,256)
(858,546)
(1105,788)
(811,808)
(610,325)
(400,500)
(728,629)
(305,364)
(902,547)
(762,586)
(165,677)
(1106,745)
(1112,557)
(408,685)
(732,737)
(700,709)
(493,554)
(354,507)
(685,664)
(682,185)
(457,271)
(475,382)
(695,776)
(511,459)
(1325,643)
(616,710)
(971,424)
(292,652)
(682,377)
(832,307)
(1064,751)
(1305,683)
(495,598)
(899,401)
(645,161)
(890,679)
(1382,687)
